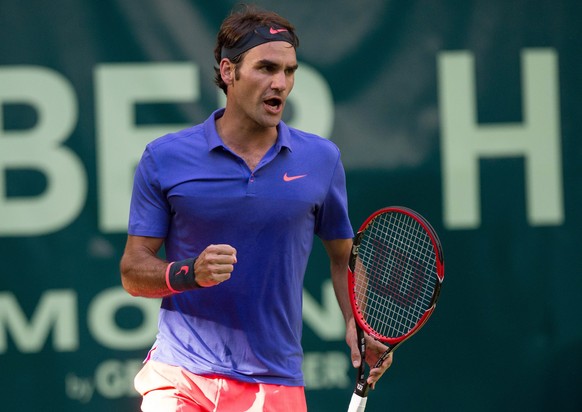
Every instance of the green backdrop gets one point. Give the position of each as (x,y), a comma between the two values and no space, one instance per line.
(465,111)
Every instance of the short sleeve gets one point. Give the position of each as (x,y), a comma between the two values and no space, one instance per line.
(149,213)
(332,220)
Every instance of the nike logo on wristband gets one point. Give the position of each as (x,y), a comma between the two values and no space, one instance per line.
(183,271)
(291,178)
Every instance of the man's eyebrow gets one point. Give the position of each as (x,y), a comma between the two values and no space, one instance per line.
(270,63)
(266,62)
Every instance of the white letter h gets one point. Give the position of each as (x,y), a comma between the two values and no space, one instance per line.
(464,142)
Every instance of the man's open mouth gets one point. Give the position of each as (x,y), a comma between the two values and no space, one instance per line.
(274,102)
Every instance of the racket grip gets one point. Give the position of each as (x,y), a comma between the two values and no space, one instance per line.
(357,404)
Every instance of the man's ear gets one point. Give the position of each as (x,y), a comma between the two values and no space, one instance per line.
(227,71)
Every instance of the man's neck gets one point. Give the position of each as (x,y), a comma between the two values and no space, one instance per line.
(242,132)
(249,141)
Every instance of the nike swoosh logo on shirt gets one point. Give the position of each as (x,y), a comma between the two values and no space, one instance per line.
(291,178)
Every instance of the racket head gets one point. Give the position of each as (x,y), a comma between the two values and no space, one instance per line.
(395,273)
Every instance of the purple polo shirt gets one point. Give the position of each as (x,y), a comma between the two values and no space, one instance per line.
(191,190)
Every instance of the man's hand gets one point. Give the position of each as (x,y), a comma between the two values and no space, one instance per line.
(374,350)
(214,265)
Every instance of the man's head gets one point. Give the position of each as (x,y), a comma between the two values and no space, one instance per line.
(245,29)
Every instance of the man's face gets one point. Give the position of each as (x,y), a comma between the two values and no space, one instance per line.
(262,83)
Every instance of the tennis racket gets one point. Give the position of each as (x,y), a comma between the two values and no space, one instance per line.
(395,274)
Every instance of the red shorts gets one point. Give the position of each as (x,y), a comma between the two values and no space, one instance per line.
(171,388)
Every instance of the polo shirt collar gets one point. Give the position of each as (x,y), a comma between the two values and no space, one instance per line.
(215,141)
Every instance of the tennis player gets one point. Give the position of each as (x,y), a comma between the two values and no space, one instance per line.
(235,201)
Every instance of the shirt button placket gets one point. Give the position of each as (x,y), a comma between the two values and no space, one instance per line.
(251,185)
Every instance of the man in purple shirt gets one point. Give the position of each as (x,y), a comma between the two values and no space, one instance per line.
(235,201)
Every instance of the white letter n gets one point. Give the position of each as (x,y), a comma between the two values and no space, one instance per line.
(464,142)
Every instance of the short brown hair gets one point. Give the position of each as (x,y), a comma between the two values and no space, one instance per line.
(238,24)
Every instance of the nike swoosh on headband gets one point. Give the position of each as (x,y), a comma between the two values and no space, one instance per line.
(272,30)
(260,35)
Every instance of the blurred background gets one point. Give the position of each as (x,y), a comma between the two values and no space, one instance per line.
(467,111)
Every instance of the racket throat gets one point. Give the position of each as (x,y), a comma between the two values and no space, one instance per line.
(383,357)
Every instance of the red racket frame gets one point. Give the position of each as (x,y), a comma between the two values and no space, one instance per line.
(440,268)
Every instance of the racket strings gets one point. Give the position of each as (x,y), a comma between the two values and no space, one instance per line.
(395,274)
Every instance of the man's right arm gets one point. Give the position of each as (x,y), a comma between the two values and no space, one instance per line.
(142,271)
